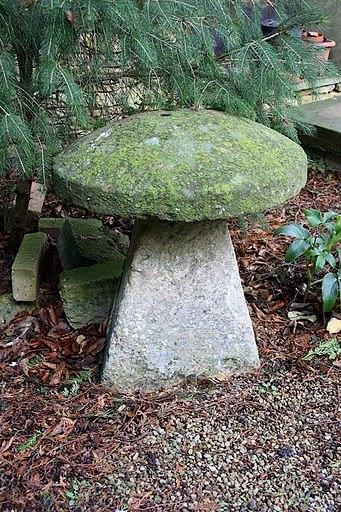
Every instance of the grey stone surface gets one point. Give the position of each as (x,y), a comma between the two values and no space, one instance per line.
(27,267)
(88,293)
(9,308)
(326,117)
(325,114)
(83,242)
(180,311)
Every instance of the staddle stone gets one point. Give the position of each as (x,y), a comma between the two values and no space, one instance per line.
(181,311)
(183,165)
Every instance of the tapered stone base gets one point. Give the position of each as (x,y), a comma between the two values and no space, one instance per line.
(180,311)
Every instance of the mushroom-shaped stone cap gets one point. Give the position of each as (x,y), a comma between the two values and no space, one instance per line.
(183,165)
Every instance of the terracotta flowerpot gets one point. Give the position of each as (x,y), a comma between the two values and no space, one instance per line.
(318,40)
(313,37)
(327,45)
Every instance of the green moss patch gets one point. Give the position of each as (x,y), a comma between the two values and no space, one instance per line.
(185,166)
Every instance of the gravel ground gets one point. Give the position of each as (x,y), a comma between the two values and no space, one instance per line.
(268,442)
(265,445)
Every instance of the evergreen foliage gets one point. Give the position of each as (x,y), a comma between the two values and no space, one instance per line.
(182,52)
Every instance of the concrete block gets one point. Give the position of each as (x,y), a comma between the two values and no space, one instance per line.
(88,292)
(84,242)
(37,197)
(26,268)
(52,226)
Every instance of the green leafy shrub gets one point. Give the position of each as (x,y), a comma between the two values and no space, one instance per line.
(320,247)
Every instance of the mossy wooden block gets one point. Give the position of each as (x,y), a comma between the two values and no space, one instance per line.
(84,242)
(26,268)
(88,292)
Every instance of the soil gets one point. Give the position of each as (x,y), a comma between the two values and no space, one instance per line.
(268,441)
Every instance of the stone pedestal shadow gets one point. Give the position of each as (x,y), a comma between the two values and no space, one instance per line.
(181,309)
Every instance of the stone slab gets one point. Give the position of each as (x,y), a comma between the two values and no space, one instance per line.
(9,308)
(26,268)
(326,117)
(52,226)
(180,311)
(325,114)
(84,242)
(303,85)
(88,292)
(324,90)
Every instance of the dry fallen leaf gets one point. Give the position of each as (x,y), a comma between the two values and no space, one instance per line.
(64,427)
(6,445)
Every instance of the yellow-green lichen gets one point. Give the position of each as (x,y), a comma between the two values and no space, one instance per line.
(186,166)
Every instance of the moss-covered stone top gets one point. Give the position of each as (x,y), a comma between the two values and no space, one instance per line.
(183,165)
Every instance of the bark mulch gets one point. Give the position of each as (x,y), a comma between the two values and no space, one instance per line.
(268,441)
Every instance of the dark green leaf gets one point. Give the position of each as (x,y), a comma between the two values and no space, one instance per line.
(330,226)
(329,216)
(315,252)
(320,262)
(294,230)
(329,291)
(314,217)
(296,249)
(338,224)
(331,260)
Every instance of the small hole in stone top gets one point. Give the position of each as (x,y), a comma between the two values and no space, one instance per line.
(165,114)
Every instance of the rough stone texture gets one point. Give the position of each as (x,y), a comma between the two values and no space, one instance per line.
(180,311)
(326,117)
(52,226)
(9,308)
(84,242)
(183,165)
(37,198)
(26,267)
(88,292)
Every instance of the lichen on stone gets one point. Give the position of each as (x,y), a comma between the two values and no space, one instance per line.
(186,166)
